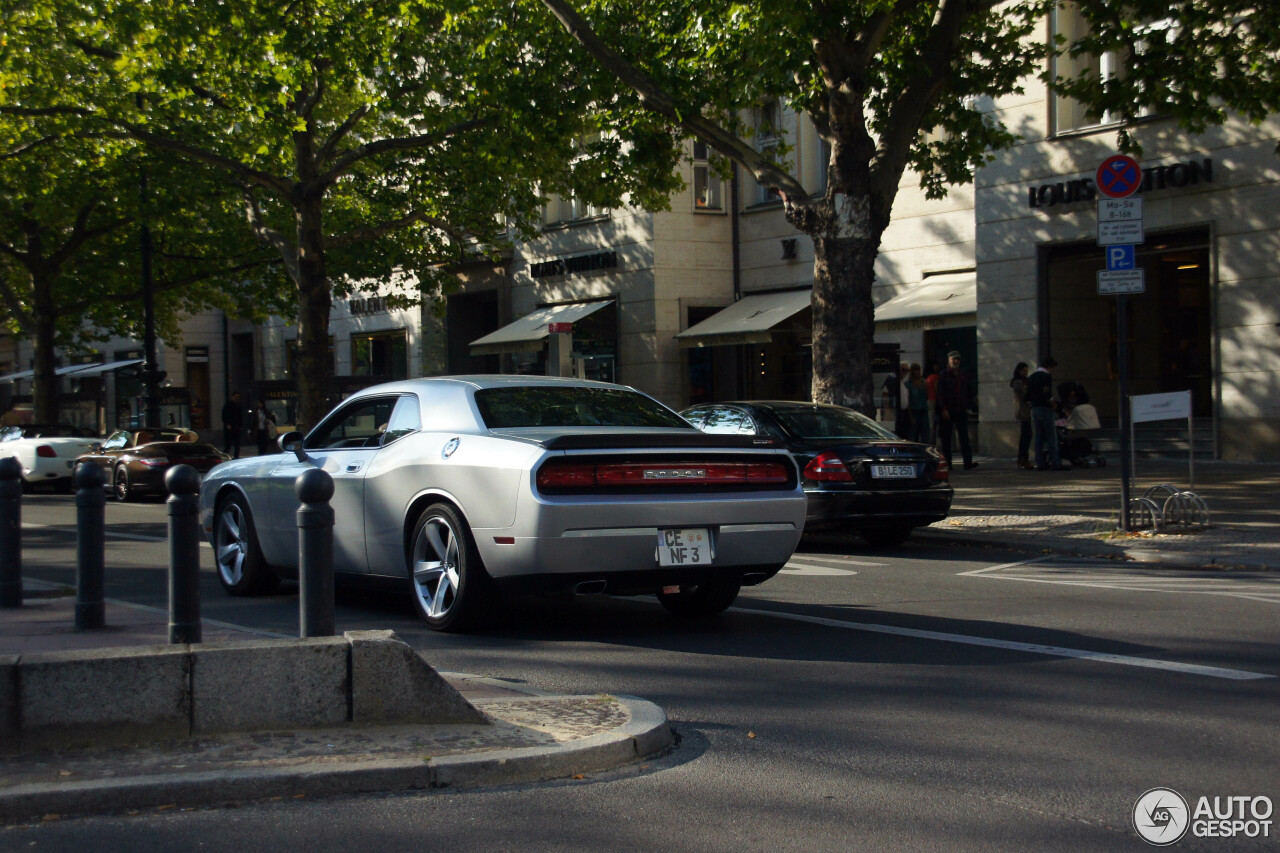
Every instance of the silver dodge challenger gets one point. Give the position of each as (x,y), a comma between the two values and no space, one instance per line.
(468,487)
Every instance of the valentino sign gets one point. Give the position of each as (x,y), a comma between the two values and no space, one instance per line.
(1153,178)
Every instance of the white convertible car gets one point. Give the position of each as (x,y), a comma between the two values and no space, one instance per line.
(46,452)
(465,487)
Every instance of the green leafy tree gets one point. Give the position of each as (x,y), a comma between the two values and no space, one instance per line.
(364,137)
(893,85)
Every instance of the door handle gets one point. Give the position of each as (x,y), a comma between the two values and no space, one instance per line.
(354,467)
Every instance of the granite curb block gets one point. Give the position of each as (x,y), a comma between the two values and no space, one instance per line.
(645,734)
(1087,548)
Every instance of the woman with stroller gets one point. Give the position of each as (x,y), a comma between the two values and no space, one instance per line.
(1022,413)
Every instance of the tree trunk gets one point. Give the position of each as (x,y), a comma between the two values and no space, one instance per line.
(44,325)
(843,321)
(315,362)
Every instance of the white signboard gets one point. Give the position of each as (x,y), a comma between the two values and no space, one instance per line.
(1119,209)
(1115,282)
(1161,407)
(1111,233)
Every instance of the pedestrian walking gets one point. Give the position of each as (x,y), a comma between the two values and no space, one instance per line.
(232,425)
(1044,417)
(931,386)
(953,410)
(266,427)
(1022,413)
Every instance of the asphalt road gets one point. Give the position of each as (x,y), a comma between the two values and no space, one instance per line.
(919,698)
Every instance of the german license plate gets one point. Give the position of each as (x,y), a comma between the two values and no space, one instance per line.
(893,472)
(684,546)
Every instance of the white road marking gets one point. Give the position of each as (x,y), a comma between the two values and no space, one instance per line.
(1031,648)
(1051,570)
(814,571)
(110,534)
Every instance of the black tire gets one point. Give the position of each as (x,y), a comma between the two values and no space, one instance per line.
(447,581)
(707,599)
(886,537)
(242,569)
(121,486)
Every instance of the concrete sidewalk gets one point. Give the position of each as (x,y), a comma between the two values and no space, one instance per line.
(1078,511)
(531,735)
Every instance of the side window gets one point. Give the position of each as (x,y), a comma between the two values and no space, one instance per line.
(360,424)
(404,420)
(724,422)
(116,441)
(697,417)
(748,426)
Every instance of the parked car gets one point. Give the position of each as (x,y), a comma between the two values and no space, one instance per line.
(462,488)
(135,461)
(858,475)
(47,452)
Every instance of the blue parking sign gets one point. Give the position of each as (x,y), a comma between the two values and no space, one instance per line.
(1120,257)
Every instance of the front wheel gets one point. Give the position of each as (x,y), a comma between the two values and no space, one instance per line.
(241,567)
(705,599)
(123,486)
(447,578)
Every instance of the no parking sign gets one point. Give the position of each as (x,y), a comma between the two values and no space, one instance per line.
(1119,176)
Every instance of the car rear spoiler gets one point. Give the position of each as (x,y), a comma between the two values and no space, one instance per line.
(605,441)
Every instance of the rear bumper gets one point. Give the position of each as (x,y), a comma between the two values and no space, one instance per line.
(856,510)
(559,544)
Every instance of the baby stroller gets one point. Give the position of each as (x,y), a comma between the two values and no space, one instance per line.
(1077,429)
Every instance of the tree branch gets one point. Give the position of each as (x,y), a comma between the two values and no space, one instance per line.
(165,286)
(407,143)
(27,146)
(271,237)
(326,150)
(391,225)
(656,100)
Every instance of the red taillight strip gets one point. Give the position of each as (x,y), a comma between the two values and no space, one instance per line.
(828,468)
(562,475)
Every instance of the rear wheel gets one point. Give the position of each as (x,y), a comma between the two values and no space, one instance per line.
(706,599)
(447,579)
(241,566)
(122,485)
(886,537)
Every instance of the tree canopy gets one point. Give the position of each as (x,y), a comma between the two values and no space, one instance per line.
(892,85)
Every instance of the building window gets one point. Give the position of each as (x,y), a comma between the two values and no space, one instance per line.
(708,192)
(566,211)
(384,355)
(1068,23)
(768,124)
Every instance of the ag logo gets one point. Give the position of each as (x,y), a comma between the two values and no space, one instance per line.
(1161,817)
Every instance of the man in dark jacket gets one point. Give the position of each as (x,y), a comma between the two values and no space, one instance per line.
(1044,416)
(232,425)
(953,410)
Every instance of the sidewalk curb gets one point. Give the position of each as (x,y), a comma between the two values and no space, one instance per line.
(647,733)
(1078,548)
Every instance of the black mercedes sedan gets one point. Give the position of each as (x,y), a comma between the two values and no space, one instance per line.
(857,475)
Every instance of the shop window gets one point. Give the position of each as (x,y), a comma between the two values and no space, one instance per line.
(384,355)
(708,191)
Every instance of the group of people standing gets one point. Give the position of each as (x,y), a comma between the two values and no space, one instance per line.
(934,409)
(233,426)
(1037,411)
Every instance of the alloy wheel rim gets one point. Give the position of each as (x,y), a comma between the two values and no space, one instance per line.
(232,544)
(435,567)
(122,483)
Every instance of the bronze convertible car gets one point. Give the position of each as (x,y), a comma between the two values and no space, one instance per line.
(135,461)
(465,486)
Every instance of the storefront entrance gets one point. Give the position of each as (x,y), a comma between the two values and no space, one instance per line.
(1169,328)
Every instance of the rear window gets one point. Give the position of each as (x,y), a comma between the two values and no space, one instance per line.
(559,406)
(829,423)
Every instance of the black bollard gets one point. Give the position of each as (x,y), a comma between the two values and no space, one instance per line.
(91,546)
(10,532)
(183,483)
(315,553)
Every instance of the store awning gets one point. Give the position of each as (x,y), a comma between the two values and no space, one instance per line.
(86,370)
(936,296)
(747,321)
(529,331)
(14,377)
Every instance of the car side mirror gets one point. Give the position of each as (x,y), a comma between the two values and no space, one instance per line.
(291,442)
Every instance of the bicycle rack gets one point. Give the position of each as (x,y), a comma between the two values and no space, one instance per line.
(1166,506)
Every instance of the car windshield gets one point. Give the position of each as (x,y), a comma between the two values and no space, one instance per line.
(825,423)
(571,406)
